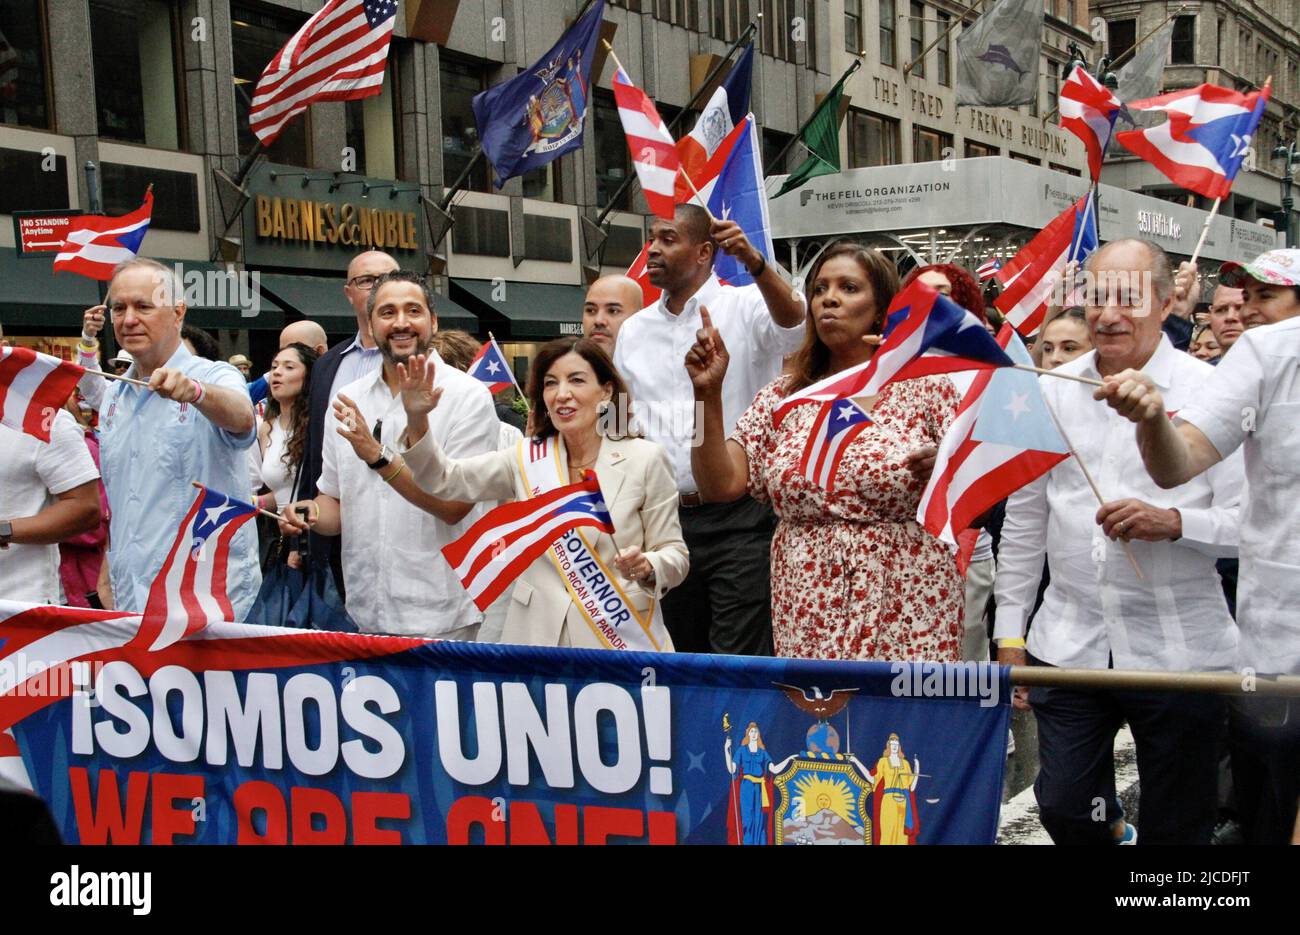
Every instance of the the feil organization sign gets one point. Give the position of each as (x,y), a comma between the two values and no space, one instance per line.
(307,219)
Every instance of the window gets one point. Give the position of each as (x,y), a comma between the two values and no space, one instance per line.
(1120,36)
(943,51)
(1220,29)
(974,150)
(853,26)
(611,152)
(1243,51)
(24,94)
(773,142)
(930,145)
(1020,157)
(778,40)
(632,5)
(370,126)
(728,18)
(916,26)
(677,12)
(460,81)
(1053,85)
(1067,170)
(133,51)
(1069,12)
(888,24)
(1182,45)
(255,38)
(873,140)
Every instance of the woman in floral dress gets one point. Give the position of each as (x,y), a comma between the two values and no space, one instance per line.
(853,574)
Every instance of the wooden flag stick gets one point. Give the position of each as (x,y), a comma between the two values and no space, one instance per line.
(275,516)
(1063,376)
(522,394)
(115,376)
(1087,475)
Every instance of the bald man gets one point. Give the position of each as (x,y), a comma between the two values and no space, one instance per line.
(305,332)
(611,300)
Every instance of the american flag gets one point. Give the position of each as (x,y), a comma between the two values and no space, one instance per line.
(505,541)
(653,151)
(33,388)
(1002,438)
(1088,110)
(94,244)
(489,365)
(838,422)
(338,55)
(1036,272)
(190,590)
(926,333)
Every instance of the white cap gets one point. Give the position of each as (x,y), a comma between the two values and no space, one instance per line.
(123,356)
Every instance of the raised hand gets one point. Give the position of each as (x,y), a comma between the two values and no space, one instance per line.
(92,322)
(706,361)
(732,241)
(353,428)
(415,383)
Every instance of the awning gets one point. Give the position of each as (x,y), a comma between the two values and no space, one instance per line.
(220,298)
(528,310)
(31,293)
(320,298)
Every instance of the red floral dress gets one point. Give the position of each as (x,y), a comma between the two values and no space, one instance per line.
(853,575)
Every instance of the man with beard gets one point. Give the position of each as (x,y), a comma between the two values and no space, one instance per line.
(396,581)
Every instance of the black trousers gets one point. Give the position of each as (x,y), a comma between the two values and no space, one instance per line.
(1264,737)
(725,603)
(1178,737)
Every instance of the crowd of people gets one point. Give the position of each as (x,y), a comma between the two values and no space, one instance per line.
(379,452)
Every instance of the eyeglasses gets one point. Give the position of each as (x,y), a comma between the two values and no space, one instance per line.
(364,283)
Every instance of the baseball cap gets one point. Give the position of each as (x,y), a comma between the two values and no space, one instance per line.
(1280,267)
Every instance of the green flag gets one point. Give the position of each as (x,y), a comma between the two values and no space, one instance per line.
(822,137)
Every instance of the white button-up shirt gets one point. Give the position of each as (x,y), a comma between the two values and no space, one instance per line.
(1252,402)
(1095,609)
(650,354)
(32,474)
(355,362)
(397,579)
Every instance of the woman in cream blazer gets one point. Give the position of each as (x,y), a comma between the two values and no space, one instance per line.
(570,387)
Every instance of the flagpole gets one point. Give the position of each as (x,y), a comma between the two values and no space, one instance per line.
(1060,376)
(1087,475)
(907,69)
(275,516)
(502,353)
(1092,196)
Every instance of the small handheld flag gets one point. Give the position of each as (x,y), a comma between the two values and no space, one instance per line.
(988,268)
(1031,277)
(33,388)
(505,541)
(489,366)
(94,245)
(838,422)
(190,591)
(1088,110)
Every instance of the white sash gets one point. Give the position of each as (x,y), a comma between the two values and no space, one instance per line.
(593,587)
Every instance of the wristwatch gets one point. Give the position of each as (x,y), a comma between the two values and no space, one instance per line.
(6,533)
(385,456)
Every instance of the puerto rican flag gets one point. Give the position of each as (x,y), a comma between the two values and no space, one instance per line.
(737,194)
(1206,138)
(926,333)
(654,153)
(1088,110)
(838,422)
(1002,437)
(190,590)
(1034,274)
(95,244)
(489,366)
(505,541)
(986,269)
(33,388)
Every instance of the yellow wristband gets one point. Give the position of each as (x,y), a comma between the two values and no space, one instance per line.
(390,478)
(1013,642)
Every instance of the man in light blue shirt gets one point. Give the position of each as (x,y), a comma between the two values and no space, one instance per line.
(194,422)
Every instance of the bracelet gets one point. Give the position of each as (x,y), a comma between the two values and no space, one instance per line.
(389,479)
(88,346)
(762,266)
(198,392)
(1012,642)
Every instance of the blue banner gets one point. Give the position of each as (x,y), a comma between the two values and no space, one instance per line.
(245,734)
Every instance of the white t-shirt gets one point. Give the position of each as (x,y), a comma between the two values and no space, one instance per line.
(1252,401)
(32,474)
(650,354)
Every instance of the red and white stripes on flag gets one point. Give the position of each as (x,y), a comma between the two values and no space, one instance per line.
(653,151)
(496,549)
(338,55)
(94,245)
(1088,110)
(838,422)
(190,590)
(33,388)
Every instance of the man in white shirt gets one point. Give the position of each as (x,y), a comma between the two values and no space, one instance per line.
(1097,613)
(49,493)
(724,605)
(397,580)
(1252,402)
